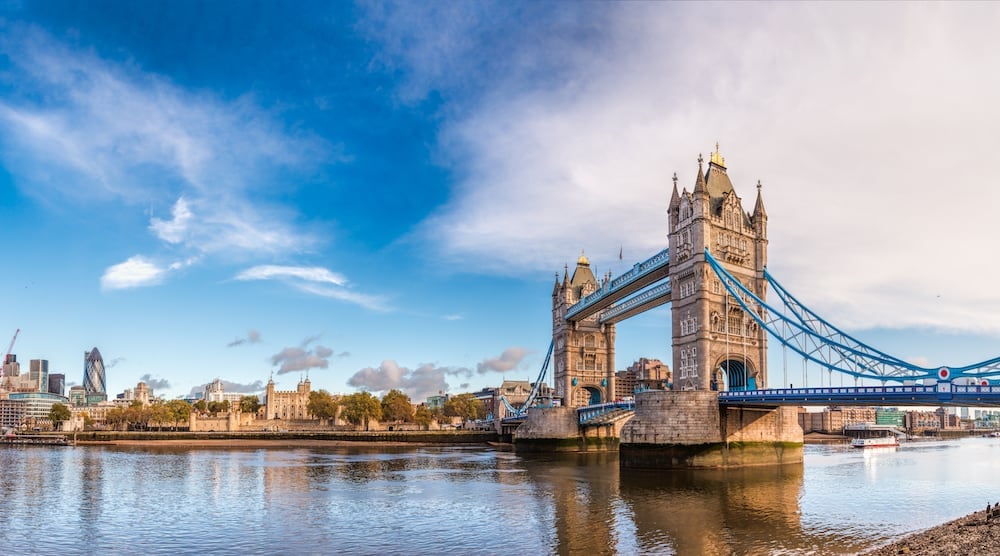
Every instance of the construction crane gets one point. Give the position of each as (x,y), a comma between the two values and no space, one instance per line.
(10,348)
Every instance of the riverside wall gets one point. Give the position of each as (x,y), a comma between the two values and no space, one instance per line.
(678,429)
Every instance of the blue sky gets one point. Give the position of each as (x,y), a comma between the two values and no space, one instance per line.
(381,193)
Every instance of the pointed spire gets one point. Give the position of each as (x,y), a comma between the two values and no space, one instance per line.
(699,184)
(758,208)
(565,275)
(675,198)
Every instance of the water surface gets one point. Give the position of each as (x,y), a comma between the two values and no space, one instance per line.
(106,500)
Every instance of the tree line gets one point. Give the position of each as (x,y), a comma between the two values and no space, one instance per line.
(357,409)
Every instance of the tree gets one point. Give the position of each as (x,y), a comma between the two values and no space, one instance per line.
(115,418)
(88,422)
(160,413)
(58,414)
(423,417)
(396,407)
(249,404)
(180,411)
(201,406)
(359,408)
(465,406)
(322,405)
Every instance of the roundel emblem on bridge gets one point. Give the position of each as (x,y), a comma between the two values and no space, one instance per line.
(944,373)
(984,383)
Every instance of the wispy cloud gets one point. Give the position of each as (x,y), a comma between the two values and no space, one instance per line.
(869,140)
(80,126)
(314,280)
(252,337)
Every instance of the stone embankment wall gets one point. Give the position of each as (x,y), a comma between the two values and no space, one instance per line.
(428,437)
(690,430)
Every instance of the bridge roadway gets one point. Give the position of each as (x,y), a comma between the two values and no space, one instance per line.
(936,395)
(642,275)
(941,394)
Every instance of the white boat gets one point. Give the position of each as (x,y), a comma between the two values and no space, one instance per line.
(875,442)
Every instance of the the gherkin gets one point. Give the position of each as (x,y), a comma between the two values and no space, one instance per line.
(94,381)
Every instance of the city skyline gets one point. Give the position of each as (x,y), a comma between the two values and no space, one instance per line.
(380,194)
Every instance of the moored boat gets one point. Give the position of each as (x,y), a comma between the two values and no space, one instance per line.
(875,442)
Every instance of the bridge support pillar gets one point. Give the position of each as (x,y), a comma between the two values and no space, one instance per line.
(689,429)
(548,429)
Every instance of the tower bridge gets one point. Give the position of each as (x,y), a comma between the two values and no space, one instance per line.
(719,410)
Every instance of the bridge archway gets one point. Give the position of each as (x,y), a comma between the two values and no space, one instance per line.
(734,375)
(592,394)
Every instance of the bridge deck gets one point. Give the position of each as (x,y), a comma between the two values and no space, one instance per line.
(931,395)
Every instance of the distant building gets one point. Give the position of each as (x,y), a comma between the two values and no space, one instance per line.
(216,392)
(141,393)
(11,367)
(12,413)
(94,381)
(57,384)
(38,404)
(38,371)
(644,374)
(287,404)
(77,395)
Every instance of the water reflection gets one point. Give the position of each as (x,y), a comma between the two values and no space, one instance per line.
(475,501)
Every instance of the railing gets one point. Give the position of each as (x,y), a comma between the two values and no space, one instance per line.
(661,290)
(639,270)
(589,412)
(942,393)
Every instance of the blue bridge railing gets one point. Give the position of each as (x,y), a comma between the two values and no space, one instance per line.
(942,393)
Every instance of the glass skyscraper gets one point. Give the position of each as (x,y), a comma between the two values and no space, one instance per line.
(94,381)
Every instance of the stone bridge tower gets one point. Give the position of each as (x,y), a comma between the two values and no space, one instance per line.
(584,352)
(716,346)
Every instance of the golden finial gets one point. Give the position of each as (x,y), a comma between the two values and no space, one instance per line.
(717,158)
(583,258)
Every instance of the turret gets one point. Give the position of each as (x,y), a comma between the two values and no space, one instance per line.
(759,218)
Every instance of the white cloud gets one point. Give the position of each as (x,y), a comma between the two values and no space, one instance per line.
(316,281)
(83,127)
(868,125)
(312,274)
(173,230)
(133,273)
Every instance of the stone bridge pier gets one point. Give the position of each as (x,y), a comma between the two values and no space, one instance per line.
(690,429)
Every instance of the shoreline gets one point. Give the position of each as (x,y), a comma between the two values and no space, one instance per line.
(286,439)
(975,533)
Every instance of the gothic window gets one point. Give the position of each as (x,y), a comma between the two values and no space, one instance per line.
(687,288)
(689,325)
(589,341)
(579,365)
(716,286)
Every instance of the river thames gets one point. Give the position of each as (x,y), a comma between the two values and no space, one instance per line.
(114,500)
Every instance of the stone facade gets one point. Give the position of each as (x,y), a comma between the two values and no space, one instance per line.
(584,351)
(287,404)
(716,346)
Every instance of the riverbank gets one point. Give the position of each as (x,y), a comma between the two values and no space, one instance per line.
(289,439)
(972,534)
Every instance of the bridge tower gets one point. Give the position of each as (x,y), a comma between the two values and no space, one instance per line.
(715,345)
(584,351)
